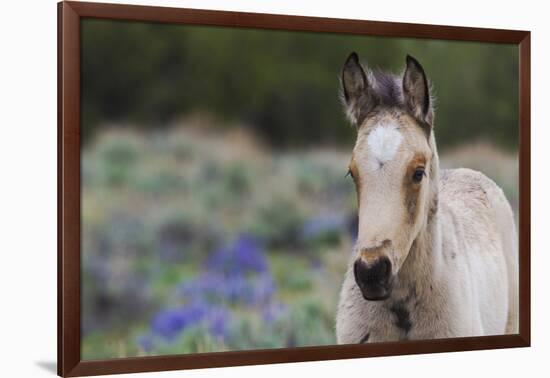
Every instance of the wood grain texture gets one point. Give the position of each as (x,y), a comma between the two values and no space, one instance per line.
(315,24)
(68,227)
(525,188)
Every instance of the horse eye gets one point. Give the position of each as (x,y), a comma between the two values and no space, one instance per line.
(418,174)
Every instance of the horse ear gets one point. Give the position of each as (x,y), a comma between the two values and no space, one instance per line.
(358,98)
(416,91)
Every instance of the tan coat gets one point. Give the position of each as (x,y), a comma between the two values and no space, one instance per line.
(448,237)
(459,279)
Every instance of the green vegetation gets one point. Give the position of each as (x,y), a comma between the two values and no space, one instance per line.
(199,241)
(283,85)
(215,210)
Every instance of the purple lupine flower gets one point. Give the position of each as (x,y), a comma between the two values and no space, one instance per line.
(218,320)
(169,323)
(249,253)
(235,289)
(242,256)
(233,274)
(263,289)
(248,290)
(218,287)
(207,285)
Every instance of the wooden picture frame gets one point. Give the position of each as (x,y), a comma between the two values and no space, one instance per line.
(70,15)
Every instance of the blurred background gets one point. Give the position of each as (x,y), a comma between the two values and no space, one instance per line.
(215,211)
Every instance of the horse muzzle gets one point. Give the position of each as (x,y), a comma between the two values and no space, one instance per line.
(373,278)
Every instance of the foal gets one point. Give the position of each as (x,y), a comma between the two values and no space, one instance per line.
(436,254)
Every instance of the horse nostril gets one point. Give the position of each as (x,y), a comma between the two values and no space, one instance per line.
(373,278)
(385,266)
(376,273)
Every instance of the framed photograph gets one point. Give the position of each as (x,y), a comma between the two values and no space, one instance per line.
(240,188)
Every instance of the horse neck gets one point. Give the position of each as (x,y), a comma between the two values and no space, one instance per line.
(418,271)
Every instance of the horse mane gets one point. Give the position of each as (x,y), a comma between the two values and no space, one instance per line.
(387,88)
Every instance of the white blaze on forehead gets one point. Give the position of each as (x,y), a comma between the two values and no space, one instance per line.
(383,142)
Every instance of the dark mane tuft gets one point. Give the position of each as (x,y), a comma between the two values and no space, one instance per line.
(387,88)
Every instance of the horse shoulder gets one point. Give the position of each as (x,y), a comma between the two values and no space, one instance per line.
(475,206)
(479,244)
